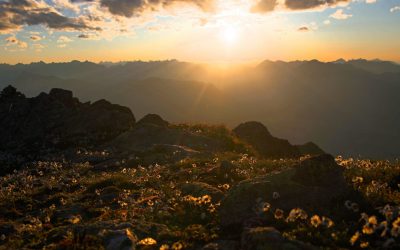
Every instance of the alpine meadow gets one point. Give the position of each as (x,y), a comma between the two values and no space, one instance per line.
(199,124)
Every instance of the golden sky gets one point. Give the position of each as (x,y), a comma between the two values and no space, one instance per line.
(211,31)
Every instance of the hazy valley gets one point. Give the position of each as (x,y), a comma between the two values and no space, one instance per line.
(346,107)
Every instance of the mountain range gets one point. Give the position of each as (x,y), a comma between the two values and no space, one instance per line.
(346,107)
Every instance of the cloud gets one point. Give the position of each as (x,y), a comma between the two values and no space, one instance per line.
(84,36)
(64,39)
(370,1)
(340,15)
(14,14)
(394,9)
(15,42)
(65,5)
(263,6)
(308,27)
(303,29)
(38,47)
(88,36)
(313,4)
(35,37)
(130,8)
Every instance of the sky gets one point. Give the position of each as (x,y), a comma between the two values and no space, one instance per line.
(210,31)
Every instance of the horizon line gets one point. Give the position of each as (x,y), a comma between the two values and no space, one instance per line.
(256,62)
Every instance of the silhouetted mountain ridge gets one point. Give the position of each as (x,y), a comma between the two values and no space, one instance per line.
(34,127)
(347,107)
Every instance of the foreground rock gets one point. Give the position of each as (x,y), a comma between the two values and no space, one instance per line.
(316,185)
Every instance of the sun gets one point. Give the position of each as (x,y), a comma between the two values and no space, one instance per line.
(229,35)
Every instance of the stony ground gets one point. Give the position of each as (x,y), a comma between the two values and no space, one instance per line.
(226,201)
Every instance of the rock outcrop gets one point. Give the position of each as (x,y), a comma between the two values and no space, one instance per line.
(153,119)
(153,131)
(57,120)
(310,148)
(258,136)
(268,146)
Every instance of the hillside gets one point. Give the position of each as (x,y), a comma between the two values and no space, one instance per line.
(79,175)
(346,107)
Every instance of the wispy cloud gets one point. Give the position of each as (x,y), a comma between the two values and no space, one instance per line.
(395,9)
(340,15)
(64,39)
(14,42)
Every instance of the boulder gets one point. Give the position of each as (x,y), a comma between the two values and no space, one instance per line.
(315,185)
(320,170)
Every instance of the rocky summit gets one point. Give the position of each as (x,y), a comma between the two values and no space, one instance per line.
(57,119)
(79,175)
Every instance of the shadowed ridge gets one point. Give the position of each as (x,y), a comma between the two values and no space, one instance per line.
(268,146)
(258,136)
(153,119)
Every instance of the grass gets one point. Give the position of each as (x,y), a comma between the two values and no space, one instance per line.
(74,206)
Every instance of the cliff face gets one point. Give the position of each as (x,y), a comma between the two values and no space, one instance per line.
(57,120)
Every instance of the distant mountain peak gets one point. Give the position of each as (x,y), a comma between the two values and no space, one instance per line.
(340,61)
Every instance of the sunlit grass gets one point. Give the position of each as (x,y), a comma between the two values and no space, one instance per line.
(50,204)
